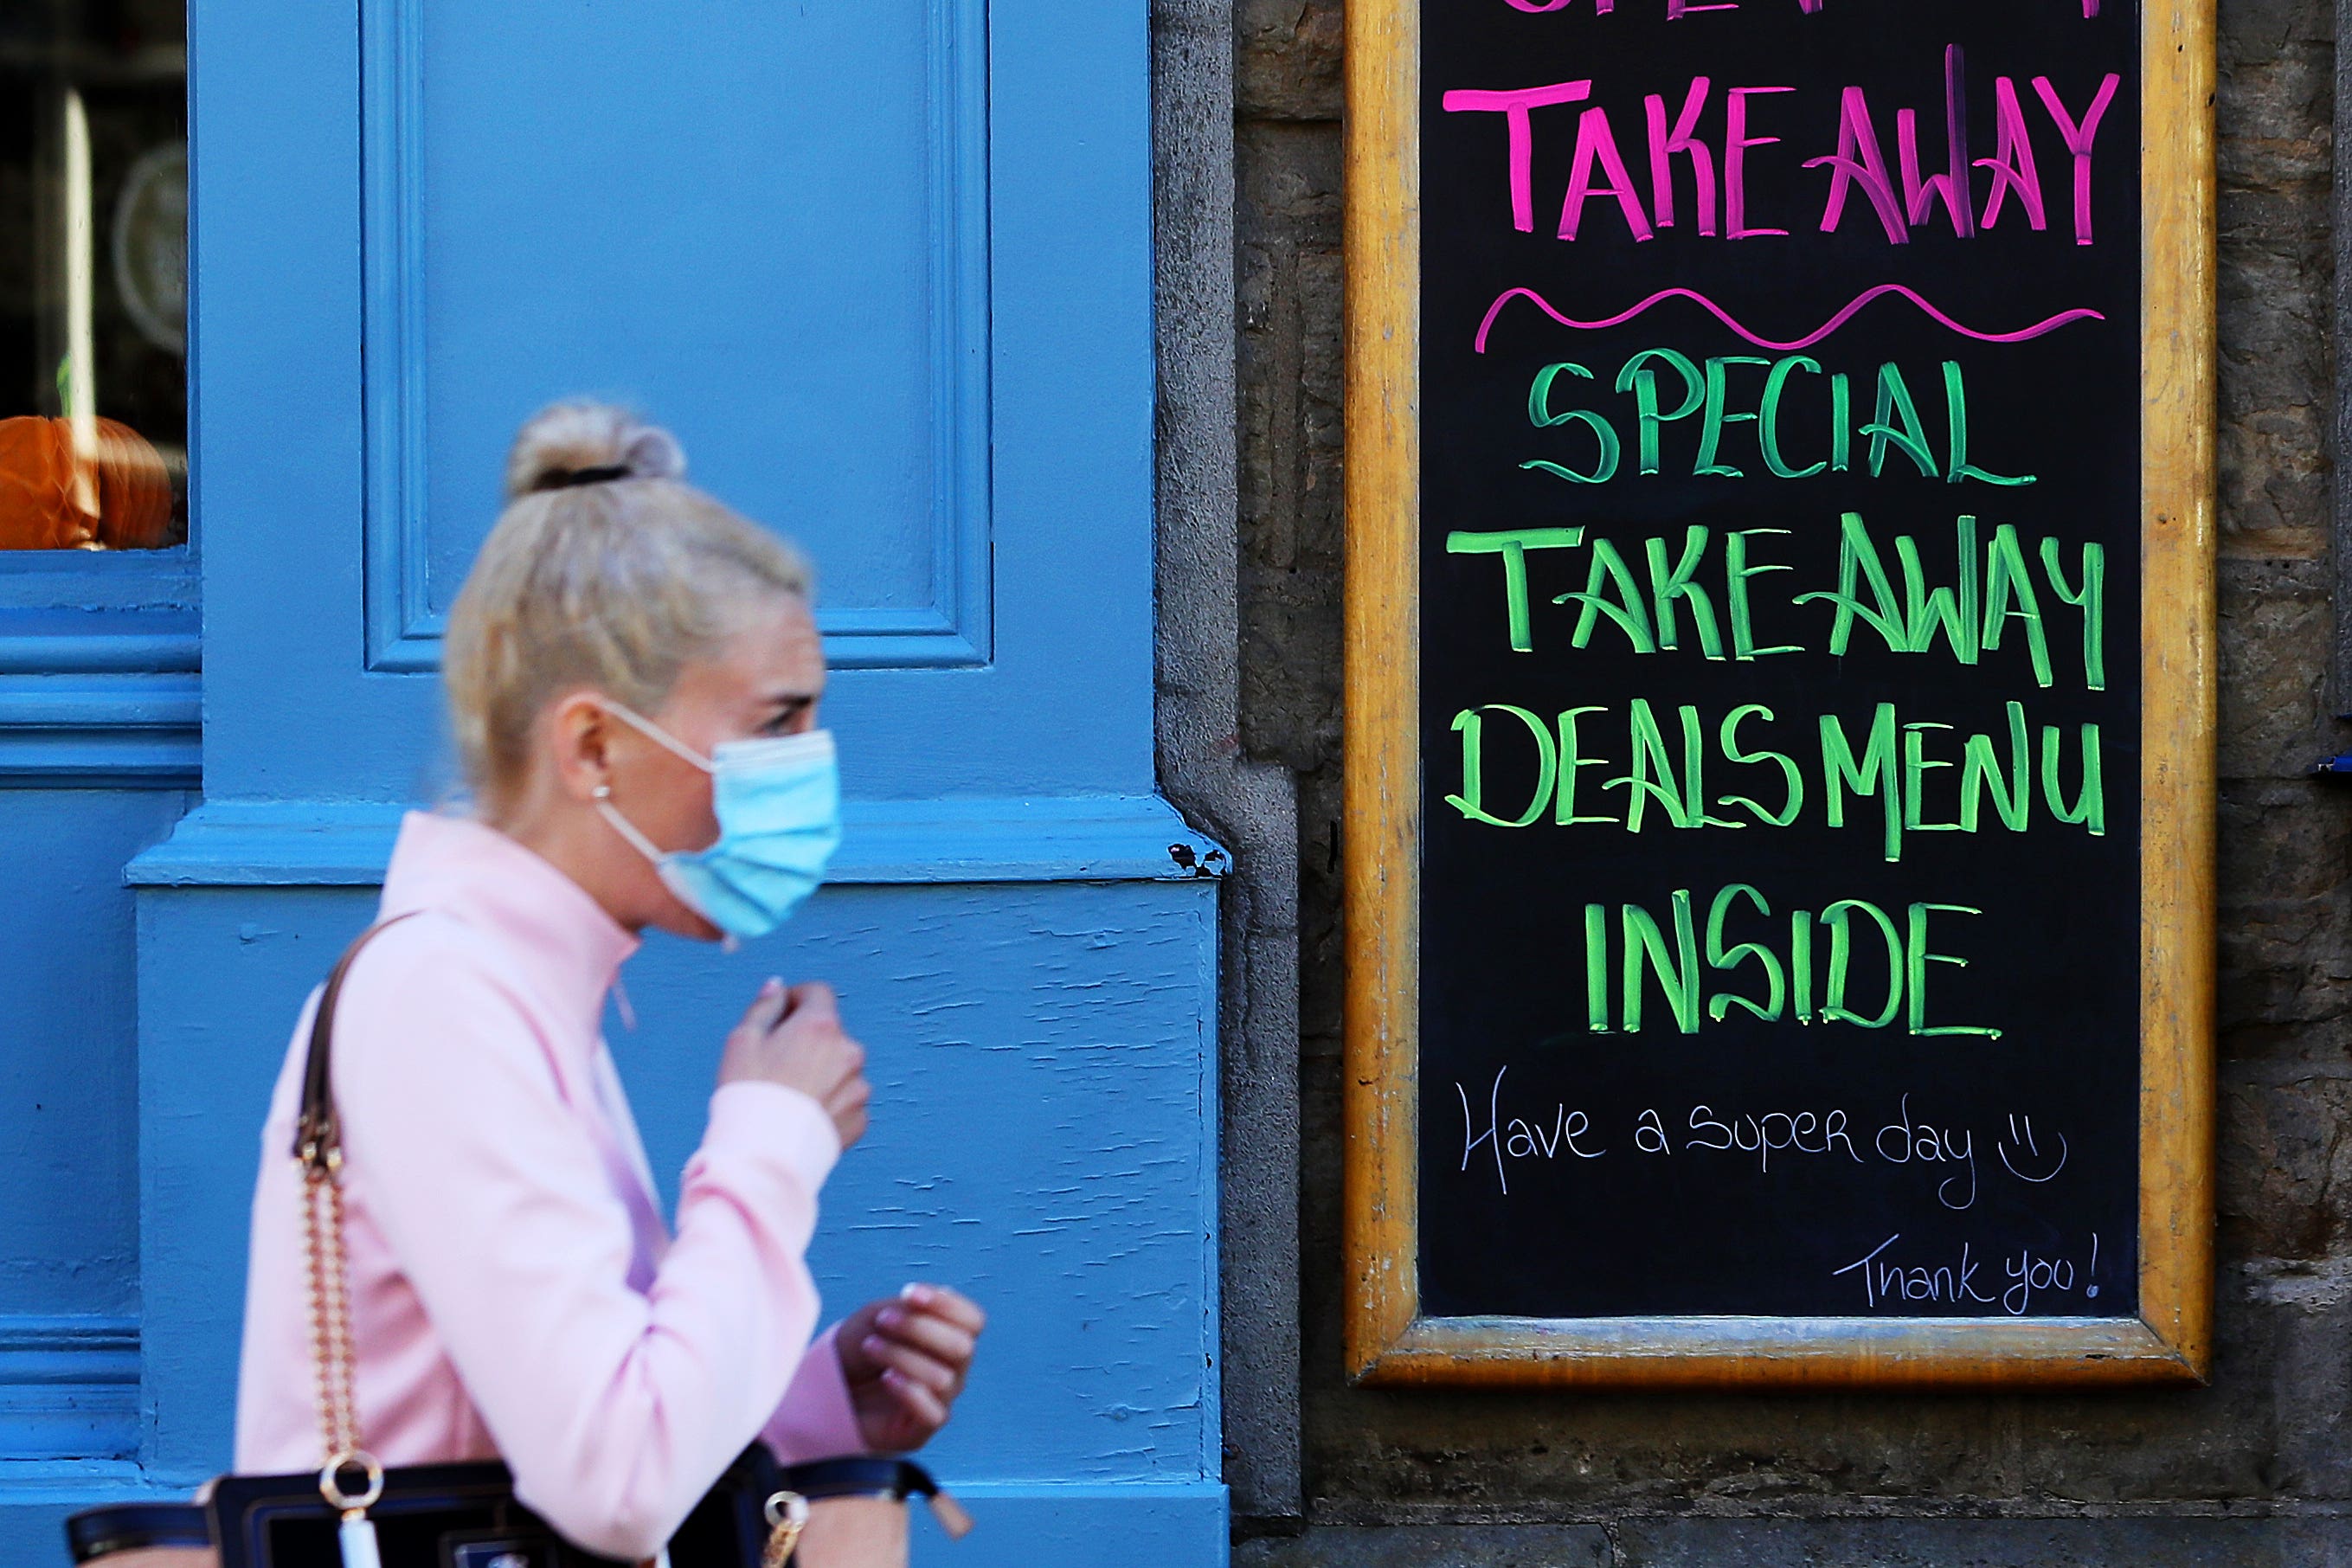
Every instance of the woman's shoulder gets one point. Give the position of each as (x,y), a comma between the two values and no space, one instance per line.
(429,976)
(423,948)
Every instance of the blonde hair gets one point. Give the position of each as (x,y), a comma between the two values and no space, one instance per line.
(606,570)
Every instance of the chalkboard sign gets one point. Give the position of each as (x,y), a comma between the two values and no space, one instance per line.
(1780,778)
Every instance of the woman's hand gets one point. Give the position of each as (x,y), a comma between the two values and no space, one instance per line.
(792,1036)
(906,1358)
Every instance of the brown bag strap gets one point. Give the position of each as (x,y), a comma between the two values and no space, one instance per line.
(319,1149)
(318,1131)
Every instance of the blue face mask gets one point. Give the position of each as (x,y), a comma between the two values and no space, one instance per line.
(779,808)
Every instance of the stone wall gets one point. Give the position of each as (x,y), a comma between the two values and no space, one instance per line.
(2257,1467)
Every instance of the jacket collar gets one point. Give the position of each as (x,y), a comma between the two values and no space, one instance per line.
(568,948)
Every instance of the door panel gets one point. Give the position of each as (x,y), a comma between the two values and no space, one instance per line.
(766,225)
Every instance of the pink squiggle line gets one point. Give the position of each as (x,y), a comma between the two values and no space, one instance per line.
(1826,328)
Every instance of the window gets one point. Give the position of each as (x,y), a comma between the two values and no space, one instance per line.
(93,275)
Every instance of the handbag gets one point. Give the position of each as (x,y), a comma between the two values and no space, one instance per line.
(354,1512)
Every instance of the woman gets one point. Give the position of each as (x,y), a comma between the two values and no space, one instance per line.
(634,675)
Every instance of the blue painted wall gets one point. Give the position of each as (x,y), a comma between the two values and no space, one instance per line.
(70,1286)
(885,271)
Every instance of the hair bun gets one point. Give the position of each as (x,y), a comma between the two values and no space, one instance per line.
(585,443)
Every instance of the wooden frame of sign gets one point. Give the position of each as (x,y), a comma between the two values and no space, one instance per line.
(1389,1339)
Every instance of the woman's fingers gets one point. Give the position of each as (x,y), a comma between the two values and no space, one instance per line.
(942,1377)
(933,1335)
(852,1093)
(918,1400)
(741,1057)
(953,1305)
(814,998)
(767,1005)
(793,1037)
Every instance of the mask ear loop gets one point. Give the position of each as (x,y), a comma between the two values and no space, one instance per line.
(624,827)
(657,734)
(646,847)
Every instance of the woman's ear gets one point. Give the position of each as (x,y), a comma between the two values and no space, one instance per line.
(579,733)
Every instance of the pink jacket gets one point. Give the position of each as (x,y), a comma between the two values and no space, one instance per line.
(515,1293)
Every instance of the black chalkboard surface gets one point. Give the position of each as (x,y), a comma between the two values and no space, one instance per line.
(1779,554)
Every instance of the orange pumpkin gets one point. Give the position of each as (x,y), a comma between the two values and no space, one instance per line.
(42,507)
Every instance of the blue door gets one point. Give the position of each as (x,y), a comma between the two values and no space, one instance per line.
(885,270)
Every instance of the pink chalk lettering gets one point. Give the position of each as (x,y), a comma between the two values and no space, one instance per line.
(1516,105)
(1735,143)
(1597,144)
(1950,187)
(2078,139)
(2013,160)
(1683,138)
(1878,291)
(1676,9)
(1858,162)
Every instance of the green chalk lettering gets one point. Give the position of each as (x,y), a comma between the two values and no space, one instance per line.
(1668,586)
(1605,567)
(1599,475)
(1540,414)
(1876,770)
(1694,772)
(1711,430)
(1959,615)
(1776,985)
(2090,807)
(1858,563)
(1955,404)
(1767,432)
(1650,766)
(1737,570)
(1917,765)
(2091,600)
(2009,593)
(1980,771)
(1513,544)
(1841,423)
(1910,435)
(1916,974)
(1793,777)
(1646,954)
(1839,918)
(1572,758)
(1470,724)
(1596,968)
(1801,963)
(1643,383)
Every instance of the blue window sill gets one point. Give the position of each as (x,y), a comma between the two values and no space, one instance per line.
(99,580)
(107,694)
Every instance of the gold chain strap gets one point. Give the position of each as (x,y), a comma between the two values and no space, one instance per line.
(333,1354)
(331,1351)
(788,1515)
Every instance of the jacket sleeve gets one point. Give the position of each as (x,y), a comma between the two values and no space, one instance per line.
(816,1420)
(615,1411)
